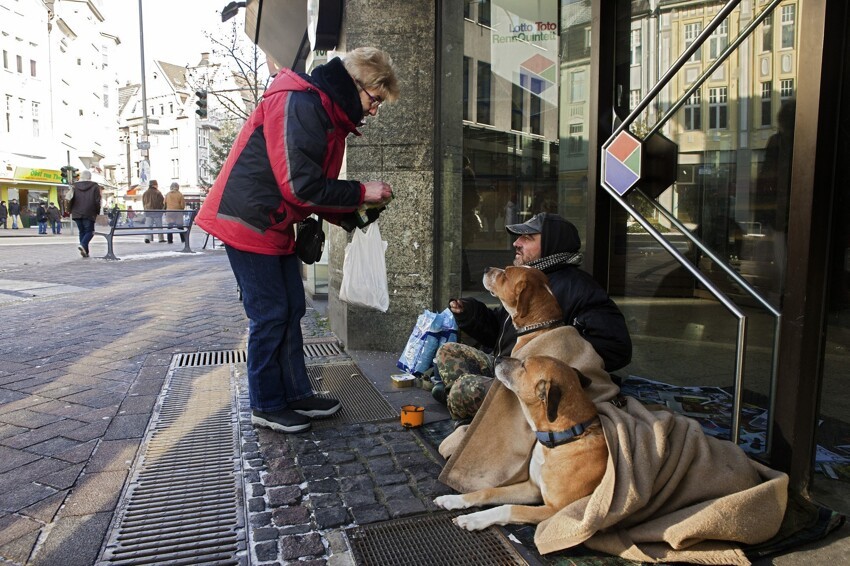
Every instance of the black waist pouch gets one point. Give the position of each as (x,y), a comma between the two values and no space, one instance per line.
(310,240)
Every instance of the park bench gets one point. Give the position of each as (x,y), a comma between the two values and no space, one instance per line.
(117,225)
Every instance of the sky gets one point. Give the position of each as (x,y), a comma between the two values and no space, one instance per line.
(174,31)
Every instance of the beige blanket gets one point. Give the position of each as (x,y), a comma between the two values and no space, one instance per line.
(670,492)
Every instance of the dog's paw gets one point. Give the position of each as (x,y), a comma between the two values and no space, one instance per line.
(451,502)
(472,521)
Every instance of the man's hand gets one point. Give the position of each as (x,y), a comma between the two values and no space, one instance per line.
(377,192)
(456,306)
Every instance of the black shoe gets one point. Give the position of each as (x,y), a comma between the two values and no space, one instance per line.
(316,407)
(281,421)
(147,241)
(438,392)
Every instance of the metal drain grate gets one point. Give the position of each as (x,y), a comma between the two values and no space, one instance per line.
(361,402)
(184,503)
(429,539)
(323,349)
(216,358)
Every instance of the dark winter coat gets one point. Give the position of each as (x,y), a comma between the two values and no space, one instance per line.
(14,209)
(54,214)
(4,212)
(41,213)
(585,304)
(284,164)
(85,202)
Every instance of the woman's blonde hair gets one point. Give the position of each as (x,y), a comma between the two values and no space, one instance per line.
(374,70)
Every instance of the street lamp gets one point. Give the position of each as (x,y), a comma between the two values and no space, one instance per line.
(231,10)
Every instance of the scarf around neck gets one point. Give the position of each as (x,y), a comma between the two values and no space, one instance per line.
(554,262)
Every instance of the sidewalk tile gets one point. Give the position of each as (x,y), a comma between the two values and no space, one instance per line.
(64,478)
(73,541)
(11,458)
(29,419)
(94,493)
(63,427)
(24,496)
(45,510)
(113,455)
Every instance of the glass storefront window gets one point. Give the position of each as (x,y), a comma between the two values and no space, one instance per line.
(524,123)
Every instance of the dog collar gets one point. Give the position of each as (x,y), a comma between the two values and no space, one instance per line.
(537,326)
(552,439)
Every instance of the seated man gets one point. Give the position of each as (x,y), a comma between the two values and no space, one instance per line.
(550,243)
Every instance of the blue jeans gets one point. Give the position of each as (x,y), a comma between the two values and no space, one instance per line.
(86,228)
(273,297)
(42,227)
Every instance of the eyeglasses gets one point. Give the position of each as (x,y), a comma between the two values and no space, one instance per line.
(375,101)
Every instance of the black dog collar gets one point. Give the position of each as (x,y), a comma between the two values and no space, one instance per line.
(552,439)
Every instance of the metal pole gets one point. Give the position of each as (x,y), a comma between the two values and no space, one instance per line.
(145,153)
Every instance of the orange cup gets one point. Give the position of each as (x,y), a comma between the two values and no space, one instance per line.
(412,416)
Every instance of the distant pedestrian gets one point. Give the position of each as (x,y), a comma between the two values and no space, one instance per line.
(154,203)
(41,217)
(131,217)
(4,214)
(54,216)
(84,206)
(15,213)
(175,202)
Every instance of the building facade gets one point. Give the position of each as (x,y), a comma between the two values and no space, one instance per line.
(697,146)
(59,97)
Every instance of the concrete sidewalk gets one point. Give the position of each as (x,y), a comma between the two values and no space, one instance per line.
(85,352)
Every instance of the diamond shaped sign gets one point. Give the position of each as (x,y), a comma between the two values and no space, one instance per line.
(621,162)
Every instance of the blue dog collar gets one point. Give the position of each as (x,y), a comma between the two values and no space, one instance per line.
(552,439)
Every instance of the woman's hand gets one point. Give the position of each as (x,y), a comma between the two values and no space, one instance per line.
(377,192)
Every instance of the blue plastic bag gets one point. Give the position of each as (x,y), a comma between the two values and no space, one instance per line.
(432,330)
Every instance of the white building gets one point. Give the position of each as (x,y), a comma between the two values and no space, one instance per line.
(59,95)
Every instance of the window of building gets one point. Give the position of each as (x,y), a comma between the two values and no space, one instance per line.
(175,168)
(484,12)
(766,103)
(35,127)
(535,117)
(691,33)
(788,26)
(171,108)
(104,56)
(635,47)
(517,106)
(786,88)
(576,136)
(32,68)
(203,137)
(20,61)
(483,114)
(175,137)
(718,118)
(693,111)
(718,40)
(5,59)
(106,96)
(577,86)
(8,113)
(21,103)
(767,33)
(634,98)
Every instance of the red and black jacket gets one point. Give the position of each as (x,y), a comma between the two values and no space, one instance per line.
(284,164)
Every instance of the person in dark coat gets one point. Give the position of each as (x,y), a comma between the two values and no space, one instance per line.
(85,206)
(15,213)
(41,217)
(550,243)
(4,214)
(283,167)
(54,216)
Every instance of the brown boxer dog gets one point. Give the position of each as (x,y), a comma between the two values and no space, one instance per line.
(568,460)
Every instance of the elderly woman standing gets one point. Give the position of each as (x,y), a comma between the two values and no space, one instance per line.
(282,168)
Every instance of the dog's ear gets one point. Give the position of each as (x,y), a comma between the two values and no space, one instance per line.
(551,398)
(521,304)
(583,380)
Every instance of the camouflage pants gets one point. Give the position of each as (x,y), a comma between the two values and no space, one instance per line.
(467,374)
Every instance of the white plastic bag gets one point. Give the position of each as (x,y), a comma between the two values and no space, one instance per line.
(364,271)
